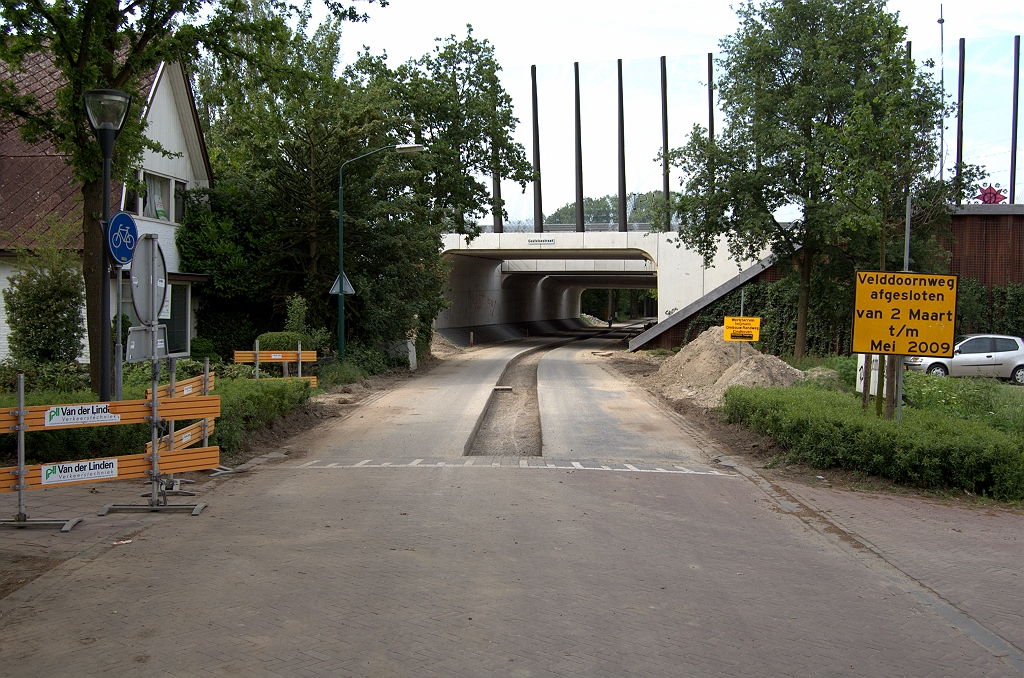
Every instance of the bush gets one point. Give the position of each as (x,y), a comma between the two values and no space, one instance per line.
(246,405)
(312,339)
(201,348)
(282,341)
(44,305)
(930,449)
(43,376)
(335,373)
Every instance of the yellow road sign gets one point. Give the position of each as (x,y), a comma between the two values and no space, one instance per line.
(904,313)
(742,328)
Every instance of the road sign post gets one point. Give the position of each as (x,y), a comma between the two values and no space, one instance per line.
(122,235)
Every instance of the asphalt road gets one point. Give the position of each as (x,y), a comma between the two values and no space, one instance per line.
(375,549)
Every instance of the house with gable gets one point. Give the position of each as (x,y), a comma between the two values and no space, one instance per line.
(37,189)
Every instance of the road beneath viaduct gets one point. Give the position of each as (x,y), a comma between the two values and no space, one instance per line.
(379,548)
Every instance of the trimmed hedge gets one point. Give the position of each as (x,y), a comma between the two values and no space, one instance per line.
(930,449)
(246,405)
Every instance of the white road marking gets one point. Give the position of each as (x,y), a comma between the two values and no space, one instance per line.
(364,462)
(523,463)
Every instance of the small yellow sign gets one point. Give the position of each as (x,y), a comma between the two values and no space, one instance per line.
(742,328)
(904,313)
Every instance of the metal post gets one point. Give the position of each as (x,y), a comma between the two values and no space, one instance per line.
(711,98)
(664,142)
(300,360)
(743,300)
(22,516)
(622,157)
(206,391)
(119,347)
(172,364)
(579,155)
(257,352)
(942,86)
(538,210)
(154,417)
(105,287)
(1013,126)
(960,124)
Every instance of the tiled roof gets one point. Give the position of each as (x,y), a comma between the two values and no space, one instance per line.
(37,187)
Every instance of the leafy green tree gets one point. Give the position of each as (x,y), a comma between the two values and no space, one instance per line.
(798,90)
(114,44)
(642,208)
(461,111)
(44,303)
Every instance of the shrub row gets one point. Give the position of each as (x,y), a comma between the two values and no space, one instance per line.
(246,405)
(929,449)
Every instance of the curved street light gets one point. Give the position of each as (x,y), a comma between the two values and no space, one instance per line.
(107,110)
(397,148)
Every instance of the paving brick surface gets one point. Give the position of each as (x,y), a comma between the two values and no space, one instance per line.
(477,571)
(973,557)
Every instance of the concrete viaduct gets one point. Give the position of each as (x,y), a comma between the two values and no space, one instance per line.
(501,284)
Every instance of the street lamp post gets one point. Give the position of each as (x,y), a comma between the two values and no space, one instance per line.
(397,148)
(107,110)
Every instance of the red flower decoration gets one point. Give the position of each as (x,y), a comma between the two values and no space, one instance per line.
(990,196)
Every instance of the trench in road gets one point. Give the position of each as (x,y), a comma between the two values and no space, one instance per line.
(511,424)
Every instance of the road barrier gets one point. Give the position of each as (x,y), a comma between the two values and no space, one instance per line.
(283,357)
(189,399)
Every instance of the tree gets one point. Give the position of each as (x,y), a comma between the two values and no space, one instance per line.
(642,208)
(115,44)
(44,304)
(796,76)
(460,110)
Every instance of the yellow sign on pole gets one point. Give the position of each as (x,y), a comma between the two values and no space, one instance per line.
(742,328)
(904,313)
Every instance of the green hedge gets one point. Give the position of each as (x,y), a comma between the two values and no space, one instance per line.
(246,405)
(930,449)
(282,341)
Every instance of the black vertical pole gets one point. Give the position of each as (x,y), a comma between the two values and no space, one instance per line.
(496,202)
(622,158)
(1013,126)
(711,98)
(960,124)
(664,139)
(538,210)
(499,226)
(579,155)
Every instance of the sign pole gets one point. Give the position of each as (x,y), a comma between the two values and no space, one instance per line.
(119,347)
(906,267)
(154,420)
(743,299)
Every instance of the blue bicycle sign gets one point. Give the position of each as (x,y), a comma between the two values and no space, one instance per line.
(122,236)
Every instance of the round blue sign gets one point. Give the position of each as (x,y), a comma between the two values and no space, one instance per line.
(122,236)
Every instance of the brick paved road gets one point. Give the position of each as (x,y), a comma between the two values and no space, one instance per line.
(329,563)
(476,571)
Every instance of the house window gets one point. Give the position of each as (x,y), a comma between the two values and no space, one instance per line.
(131,199)
(178,323)
(156,204)
(179,200)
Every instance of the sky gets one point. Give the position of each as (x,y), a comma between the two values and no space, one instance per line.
(552,34)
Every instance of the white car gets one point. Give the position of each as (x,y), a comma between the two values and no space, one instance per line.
(977,355)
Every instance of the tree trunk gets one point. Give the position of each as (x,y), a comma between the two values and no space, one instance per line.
(890,387)
(800,346)
(881,384)
(92,261)
(866,395)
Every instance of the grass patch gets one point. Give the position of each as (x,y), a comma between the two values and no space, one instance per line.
(931,449)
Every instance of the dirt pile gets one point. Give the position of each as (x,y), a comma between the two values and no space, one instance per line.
(706,367)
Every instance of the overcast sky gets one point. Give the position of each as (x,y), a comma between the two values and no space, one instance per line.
(554,33)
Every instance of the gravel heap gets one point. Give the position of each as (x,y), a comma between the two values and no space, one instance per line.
(703,369)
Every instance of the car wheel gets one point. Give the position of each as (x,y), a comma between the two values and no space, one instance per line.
(1017,376)
(938,370)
